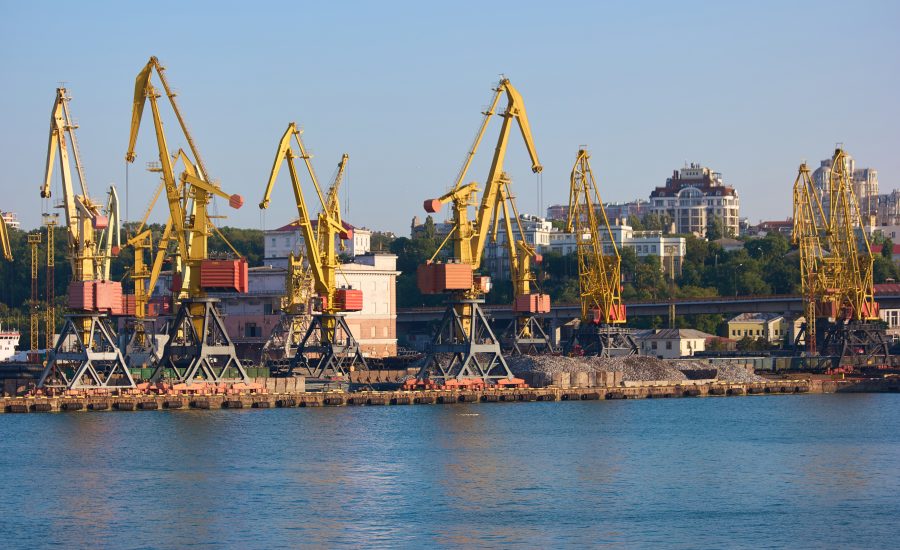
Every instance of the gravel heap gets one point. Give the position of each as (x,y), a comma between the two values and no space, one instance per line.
(636,368)
(633,367)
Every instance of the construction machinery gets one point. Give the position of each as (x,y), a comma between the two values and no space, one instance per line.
(836,267)
(327,347)
(600,331)
(50,222)
(198,345)
(465,348)
(525,334)
(34,240)
(86,354)
(4,241)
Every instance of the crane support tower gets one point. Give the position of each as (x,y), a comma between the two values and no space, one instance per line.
(281,346)
(464,347)
(600,331)
(34,240)
(198,346)
(836,267)
(525,334)
(86,354)
(328,347)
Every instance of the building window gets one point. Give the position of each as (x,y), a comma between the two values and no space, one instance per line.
(668,344)
(654,345)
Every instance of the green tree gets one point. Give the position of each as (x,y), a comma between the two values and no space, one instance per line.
(715,228)
(887,249)
(635,223)
(653,221)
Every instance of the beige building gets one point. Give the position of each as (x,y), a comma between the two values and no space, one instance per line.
(249,318)
(672,343)
(864,182)
(694,196)
(770,326)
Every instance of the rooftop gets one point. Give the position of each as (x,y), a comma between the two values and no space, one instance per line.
(755,317)
(679,333)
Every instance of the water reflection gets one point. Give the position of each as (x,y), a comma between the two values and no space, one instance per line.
(702,472)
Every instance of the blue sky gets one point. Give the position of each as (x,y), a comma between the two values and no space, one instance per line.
(750,89)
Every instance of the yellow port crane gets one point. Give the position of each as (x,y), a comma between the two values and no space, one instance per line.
(86,354)
(4,241)
(525,334)
(464,346)
(198,345)
(328,347)
(599,272)
(837,267)
(142,349)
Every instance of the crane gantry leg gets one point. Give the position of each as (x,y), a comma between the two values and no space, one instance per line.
(206,353)
(328,348)
(456,353)
(525,336)
(86,359)
(601,340)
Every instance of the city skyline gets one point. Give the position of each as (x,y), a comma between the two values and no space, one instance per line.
(405,110)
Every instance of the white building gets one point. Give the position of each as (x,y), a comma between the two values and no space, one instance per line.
(11,219)
(863,180)
(280,243)
(669,249)
(694,196)
(672,343)
(537,232)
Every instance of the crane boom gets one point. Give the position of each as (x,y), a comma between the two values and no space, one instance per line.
(470,237)
(286,154)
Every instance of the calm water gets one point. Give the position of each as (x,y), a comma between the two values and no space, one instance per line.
(798,471)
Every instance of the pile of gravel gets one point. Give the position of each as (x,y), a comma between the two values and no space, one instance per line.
(633,367)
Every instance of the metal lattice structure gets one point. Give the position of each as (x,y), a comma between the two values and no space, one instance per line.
(33,241)
(90,241)
(599,272)
(465,346)
(836,266)
(328,347)
(198,345)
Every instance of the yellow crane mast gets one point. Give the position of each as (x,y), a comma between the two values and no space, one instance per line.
(34,240)
(328,347)
(4,241)
(599,272)
(464,346)
(198,346)
(525,334)
(837,270)
(50,282)
(86,354)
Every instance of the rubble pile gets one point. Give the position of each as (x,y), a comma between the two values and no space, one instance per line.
(633,367)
